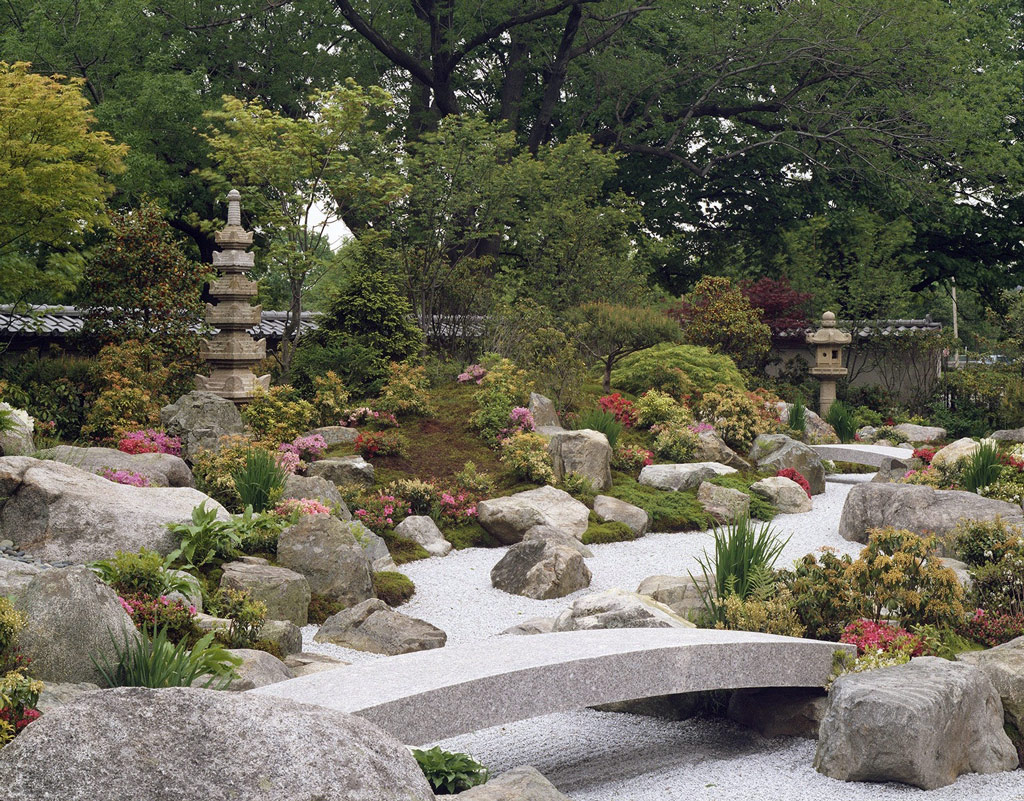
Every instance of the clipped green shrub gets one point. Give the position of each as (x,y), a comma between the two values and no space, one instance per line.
(403,550)
(393,588)
(470,535)
(598,533)
(760,509)
(580,487)
(321,607)
(702,368)
(143,572)
(279,415)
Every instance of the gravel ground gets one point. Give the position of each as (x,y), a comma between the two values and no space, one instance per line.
(615,757)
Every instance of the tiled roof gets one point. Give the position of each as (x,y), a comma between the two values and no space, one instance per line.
(58,321)
(868,329)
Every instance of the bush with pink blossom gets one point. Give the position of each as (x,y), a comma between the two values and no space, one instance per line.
(124,477)
(301,507)
(149,440)
(474,373)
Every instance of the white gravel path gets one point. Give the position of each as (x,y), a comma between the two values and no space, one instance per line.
(595,756)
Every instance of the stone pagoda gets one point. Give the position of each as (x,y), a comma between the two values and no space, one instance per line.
(828,342)
(232,351)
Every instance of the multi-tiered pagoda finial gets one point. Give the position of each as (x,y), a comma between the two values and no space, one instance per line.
(232,351)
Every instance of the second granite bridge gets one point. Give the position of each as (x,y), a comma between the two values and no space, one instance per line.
(429,695)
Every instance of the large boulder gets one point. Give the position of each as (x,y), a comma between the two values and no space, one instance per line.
(375,627)
(1014,435)
(612,509)
(541,568)
(617,609)
(184,743)
(584,452)
(199,420)
(543,411)
(72,616)
(422,530)
(955,452)
(816,430)
(15,576)
(783,493)
(519,784)
(60,513)
(893,469)
(556,536)
(285,592)
(162,469)
(317,487)
(918,508)
(374,547)
(335,435)
(920,434)
(325,551)
(712,448)
(777,451)
(677,477)
(1004,666)
(343,470)
(258,669)
(508,519)
(725,504)
(17,440)
(284,634)
(681,594)
(923,723)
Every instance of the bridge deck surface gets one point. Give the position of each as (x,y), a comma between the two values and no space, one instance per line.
(872,455)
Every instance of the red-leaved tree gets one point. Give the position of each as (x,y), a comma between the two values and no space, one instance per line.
(781,306)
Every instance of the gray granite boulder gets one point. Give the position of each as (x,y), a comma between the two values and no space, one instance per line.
(617,609)
(535,625)
(317,487)
(783,493)
(894,469)
(920,509)
(540,568)
(508,519)
(284,634)
(72,616)
(335,435)
(678,593)
(779,711)
(59,513)
(326,552)
(556,536)
(923,723)
(285,592)
(777,451)
(17,440)
(866,435)
(725,504)
(375,627)
(258,669)
(584,452)
(712,448)
(423,530)
(162,469)
(612,509)
(55,693)
(374,546)
(1014,435)
(1004,666)
(15,576)
(543,411)
(677,477)
(816,430)
(306,663)
(955,452)
(920,434)
(184,743)
(343,470)
(519,784)
(199,420)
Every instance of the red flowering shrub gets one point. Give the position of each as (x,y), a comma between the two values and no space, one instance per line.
(924,454)
(1009,460)
(621,407)
(380,443)
(149,440)
(631,458)
(871,637)
(795,475)
(380,512)
(992,628)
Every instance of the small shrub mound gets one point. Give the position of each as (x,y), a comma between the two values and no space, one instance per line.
(669,511)
(698,369)
(393,588)
(403,550)
(795,475)
(610,531)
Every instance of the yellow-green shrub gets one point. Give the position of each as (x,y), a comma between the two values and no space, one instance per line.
(652,368)
(738,416)
(279,415)
(330,398)
(526,455)
(774,615)
(654,407)
(406,391)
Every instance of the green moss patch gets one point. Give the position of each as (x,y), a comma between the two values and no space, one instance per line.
(759,507)
(403,550)
(321,608)
(393,588)
(470,535)
(611,531)
(669,511)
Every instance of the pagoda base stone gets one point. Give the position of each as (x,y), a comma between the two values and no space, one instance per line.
(239,387)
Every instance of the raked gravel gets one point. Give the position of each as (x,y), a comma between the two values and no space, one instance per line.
(598,756)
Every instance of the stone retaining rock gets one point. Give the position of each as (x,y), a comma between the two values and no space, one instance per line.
(508,519)
(55,694)
(1015,435)
(423,530)
(306,663)
(955,452)
(540,568)
(324,550)
(725,504)
(712,448)
(784,494)
(617,609)
(15,577)
(317,487)
(920,509)
(72,616)
(777,451)
(343,470)
(183,743)
(894,469)
(607,508)
(258,669)
(375,627)
(923,723)
(535,625)
(335,435)
(584,452)
(677,477)
(557,537)
(678,593)
(18,440)
(519,784)
(374,547)
(285,592)
(284,634)
(920,434)
(162,469)
(199,420)
(543,411)
(59,513)
(1004,666)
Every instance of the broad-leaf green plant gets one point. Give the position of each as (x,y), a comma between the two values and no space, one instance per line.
(204,539)
(448,772)
(146,572)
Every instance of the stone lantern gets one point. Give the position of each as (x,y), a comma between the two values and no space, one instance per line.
(828,342)
(232,351)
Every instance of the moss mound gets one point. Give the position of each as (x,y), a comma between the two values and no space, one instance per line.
(393,588)
(611,531)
